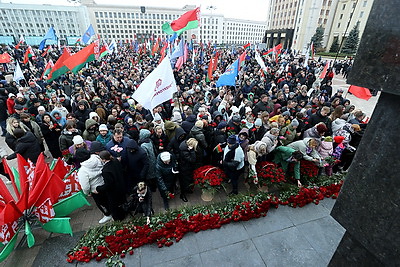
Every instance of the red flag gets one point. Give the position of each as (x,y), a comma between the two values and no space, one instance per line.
(45,51)
(242,58)
(5,58)
(323,73)
(28,53)
(246,45)
(60,169)
(360,92)
(210,68)
(47,69)
(215,61)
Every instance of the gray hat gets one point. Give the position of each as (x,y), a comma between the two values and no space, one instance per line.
(295,123)
(286,113)
(18,107)
(96,146)
(232,139)
(258,122)
(236,118)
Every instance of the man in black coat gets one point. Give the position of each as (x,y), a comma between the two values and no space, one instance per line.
(138,164)
(27,145)
(3,111)
(264,105)
(320,116)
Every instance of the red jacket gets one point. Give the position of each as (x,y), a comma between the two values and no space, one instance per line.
(10,106)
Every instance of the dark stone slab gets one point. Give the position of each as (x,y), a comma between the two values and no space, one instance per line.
(276,219)
(377,62)
(54,251)
(231,233)
(352,253)
(240,254)
(324,235)
(152,254)
(287,247)
(368,206)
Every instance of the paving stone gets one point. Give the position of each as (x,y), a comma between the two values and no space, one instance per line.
(324,235)
(217,238)
(287,247)
(188,261)
(243,253)
(307,213)
(328,203)
(53,251)
(274,221)
(151,254)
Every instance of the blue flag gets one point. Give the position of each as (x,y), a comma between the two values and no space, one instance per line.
(229,76)
(87,35)
(50,35)
(179,50)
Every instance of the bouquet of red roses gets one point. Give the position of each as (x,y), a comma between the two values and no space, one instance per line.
(269,173)
(208,177)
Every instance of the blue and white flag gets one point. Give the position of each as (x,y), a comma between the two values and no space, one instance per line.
(113,47)
(87,35)
(179,50)
(50,35)
(229,76)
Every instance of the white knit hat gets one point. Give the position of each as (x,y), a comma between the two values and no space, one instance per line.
(77,140)
(103,127)
(165,156)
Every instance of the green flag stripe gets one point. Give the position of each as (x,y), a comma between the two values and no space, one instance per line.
(8,248)
(166,27)
(16,179)
(29,236)
(58,72)
(68,205)
(58,225)
(80,66)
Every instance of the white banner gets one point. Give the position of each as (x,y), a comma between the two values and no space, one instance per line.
(158,87)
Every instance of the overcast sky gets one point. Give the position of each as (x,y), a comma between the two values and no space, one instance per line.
(239,9)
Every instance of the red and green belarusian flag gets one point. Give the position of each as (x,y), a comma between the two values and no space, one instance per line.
(59,67)
(28,54)
(103,51)
(48,68)
(189,20)
(77,61)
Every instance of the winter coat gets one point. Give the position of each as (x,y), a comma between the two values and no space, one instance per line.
(302,146)
(245,143)
(138,162)
(173,146)
(28,147)
(165,177)
(51,136)
(65,140)
(170,127)
(89,174)
(123,153)
(237,162)
(289,133)
(160,141)
(81,117)
(188,124)
(187,160)
(316,118)
(197,133)
(3,109)
(146,206)
(281,156)
(325,149)
(114,187)
(90,134)
(147,145)
(270,141)
(312,133)
(337,125)
(257,134)
(35,129)
(104,139)
(62,121)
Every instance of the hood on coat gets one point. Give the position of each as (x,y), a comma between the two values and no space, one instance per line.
(143,134)
(170,126)
(180,133)
(221,107)
(191,118)
(244,130)
(132,144)
(92,163)
(216,114)
(89,123)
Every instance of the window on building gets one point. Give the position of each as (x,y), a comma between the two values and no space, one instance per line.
(338,25)
(344,7)
(341,16)
(361,14)
(322,12)
(319,21)
(365,3)
(327,12)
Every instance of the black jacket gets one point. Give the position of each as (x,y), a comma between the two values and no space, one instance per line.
(188,124)
(138,162)
(28,147)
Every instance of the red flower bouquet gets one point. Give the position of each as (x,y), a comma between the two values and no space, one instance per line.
(269,173)
(208,177)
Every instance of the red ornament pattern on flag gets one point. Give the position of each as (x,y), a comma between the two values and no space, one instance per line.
(45,211)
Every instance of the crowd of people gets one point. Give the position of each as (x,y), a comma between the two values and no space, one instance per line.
(285,114)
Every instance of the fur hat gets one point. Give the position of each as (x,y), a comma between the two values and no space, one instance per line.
(77,140)
(232,139)
(356,127)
